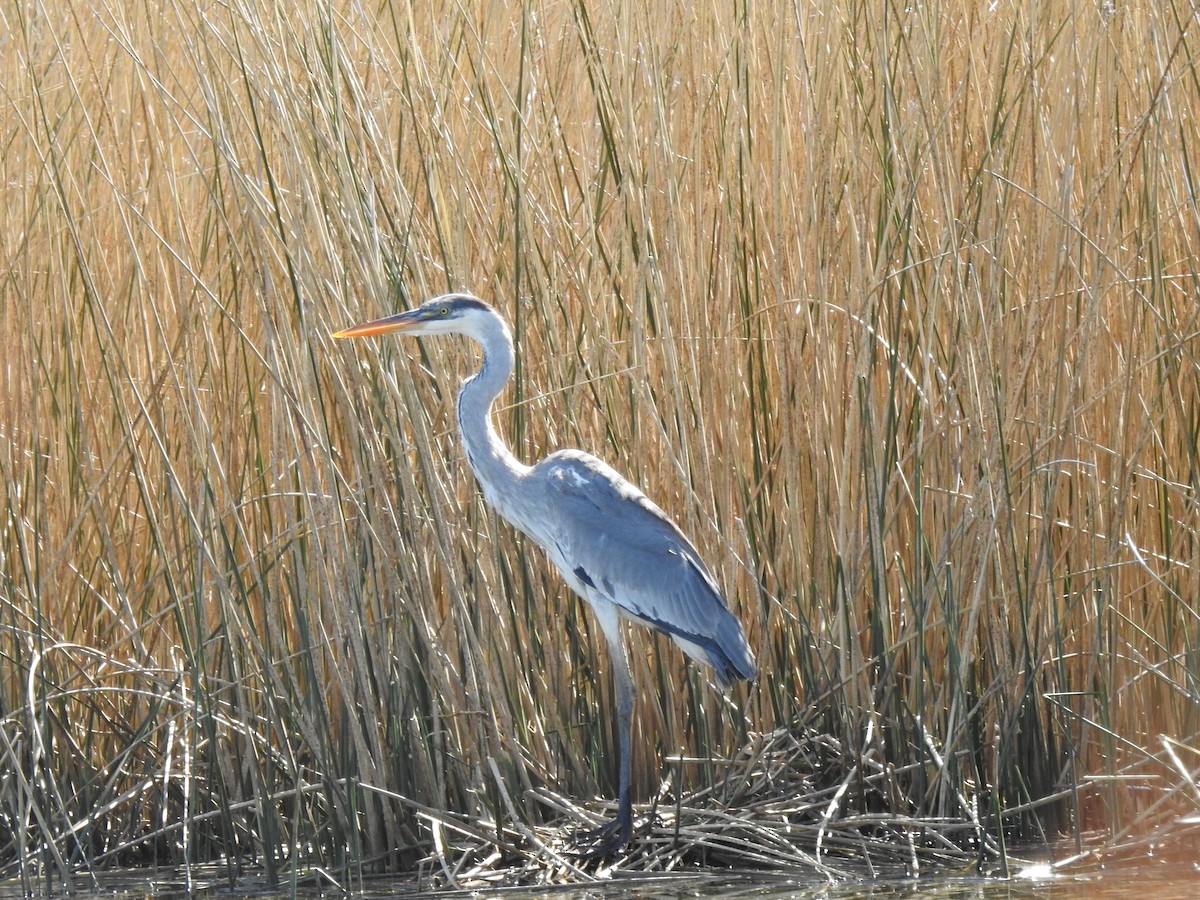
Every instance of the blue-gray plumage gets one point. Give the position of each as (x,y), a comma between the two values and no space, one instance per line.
(613,546)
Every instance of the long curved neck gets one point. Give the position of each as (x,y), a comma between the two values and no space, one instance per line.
(495,467)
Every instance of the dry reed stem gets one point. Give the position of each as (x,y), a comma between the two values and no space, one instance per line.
(893,308)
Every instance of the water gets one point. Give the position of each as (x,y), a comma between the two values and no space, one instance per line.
(1166,881)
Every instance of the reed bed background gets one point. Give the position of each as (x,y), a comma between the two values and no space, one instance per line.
(894,307)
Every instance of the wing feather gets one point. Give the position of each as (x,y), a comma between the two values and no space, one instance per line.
(608,537)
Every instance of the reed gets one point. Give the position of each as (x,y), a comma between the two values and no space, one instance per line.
(893,307)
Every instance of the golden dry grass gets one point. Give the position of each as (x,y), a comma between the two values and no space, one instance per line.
(895,308)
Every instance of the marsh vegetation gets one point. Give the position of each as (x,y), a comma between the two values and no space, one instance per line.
(894,308)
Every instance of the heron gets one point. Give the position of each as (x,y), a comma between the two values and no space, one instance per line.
(613,546)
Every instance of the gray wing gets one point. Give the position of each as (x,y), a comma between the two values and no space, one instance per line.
(608,537)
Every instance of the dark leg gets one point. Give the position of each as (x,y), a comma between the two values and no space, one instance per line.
(612,836)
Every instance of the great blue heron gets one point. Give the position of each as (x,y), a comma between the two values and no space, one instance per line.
(614,547)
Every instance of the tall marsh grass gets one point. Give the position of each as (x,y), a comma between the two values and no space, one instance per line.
(896,308)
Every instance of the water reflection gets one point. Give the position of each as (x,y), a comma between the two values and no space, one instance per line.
(1177,881)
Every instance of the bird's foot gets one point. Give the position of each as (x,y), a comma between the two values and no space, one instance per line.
(605,841)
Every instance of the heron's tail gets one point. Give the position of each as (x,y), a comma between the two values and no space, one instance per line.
(733,660)
(726,652)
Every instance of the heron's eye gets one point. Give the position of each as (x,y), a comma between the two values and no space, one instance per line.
(443,311)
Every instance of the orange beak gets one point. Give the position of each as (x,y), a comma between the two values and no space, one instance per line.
(401,322)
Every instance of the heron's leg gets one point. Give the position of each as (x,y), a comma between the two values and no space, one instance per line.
(612,836)
(625,697)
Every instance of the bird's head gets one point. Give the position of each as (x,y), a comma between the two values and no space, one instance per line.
(447,314)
